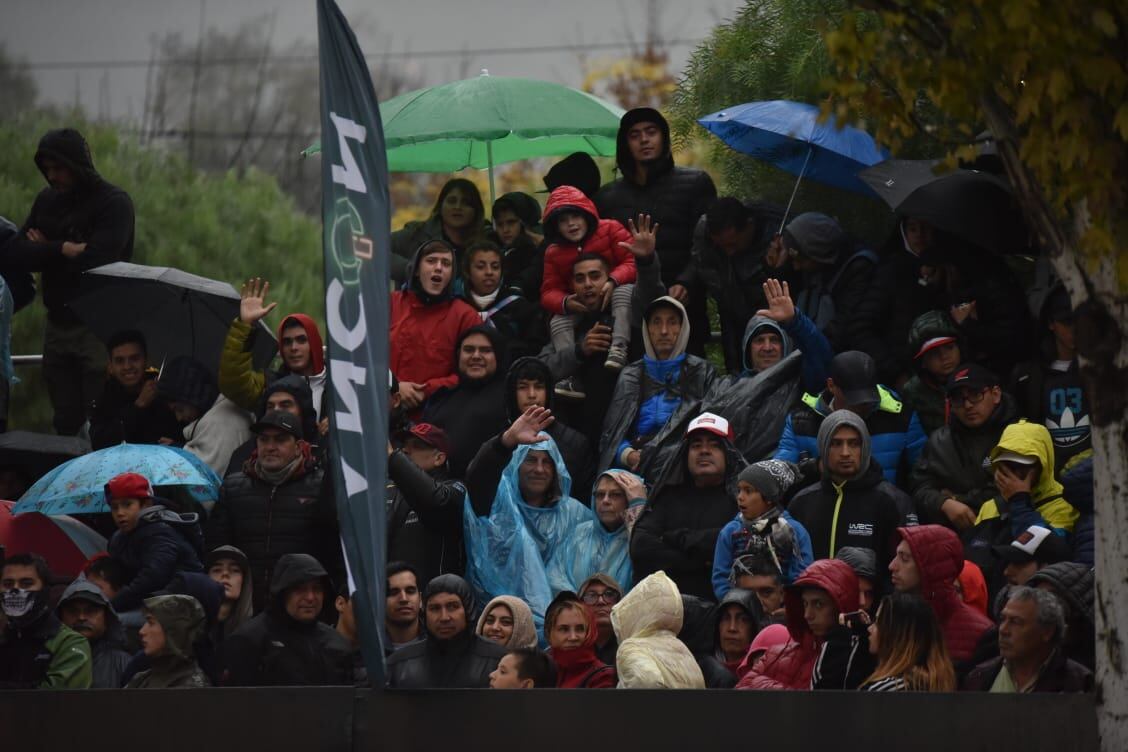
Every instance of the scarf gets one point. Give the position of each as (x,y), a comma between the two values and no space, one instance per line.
(280,476)
(483,302)
(770,533)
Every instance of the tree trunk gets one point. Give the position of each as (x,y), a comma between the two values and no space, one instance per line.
(1101,321)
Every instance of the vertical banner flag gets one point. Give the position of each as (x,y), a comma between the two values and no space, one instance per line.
(356,240)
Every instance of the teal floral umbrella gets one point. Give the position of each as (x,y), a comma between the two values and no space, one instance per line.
(78,486)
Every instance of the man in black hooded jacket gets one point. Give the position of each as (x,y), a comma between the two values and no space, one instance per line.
(286,645)
(78,222)
(452,656)
(674,197)
(291,394)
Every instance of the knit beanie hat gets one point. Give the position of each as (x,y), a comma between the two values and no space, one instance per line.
(772,478)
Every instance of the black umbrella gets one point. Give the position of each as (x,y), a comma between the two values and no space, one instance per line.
(975,206)
(179,313)
(36,453)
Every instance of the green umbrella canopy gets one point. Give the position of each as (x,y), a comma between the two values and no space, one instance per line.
(489,120)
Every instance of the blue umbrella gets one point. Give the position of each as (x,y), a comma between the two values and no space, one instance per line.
(788,135)
(78,486)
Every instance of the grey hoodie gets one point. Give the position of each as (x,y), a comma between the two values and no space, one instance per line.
(836,420)
(108,653)
(754,323)
(683,336)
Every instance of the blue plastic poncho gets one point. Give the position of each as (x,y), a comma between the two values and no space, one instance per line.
(592,549)
(508,551)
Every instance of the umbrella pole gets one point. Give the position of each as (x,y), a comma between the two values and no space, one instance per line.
(489,162)
(795,190)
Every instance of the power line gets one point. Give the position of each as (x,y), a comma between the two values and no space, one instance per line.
(312,57)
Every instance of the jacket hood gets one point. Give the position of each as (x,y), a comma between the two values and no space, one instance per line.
(455,585)
(683,337)
(244,609)
(1032,440)
(316,346)
(1075,583)
(699,619)
(526,208)
(577,169)
(294,569)
(187,380)
(526,367)
(563,478)
(524,629)
(568,198)
(750,330)
(652,606)
(68,147)
(930,325)
(83,589)
(623,159)
(817,237)
(836,420)
(161,513)
(297,386)
(939,558)
(500,353)
(836,578)
(182,619)
(748,602)
(862,560)
(412,282)
(677,473)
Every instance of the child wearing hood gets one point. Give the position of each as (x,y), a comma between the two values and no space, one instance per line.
(762,526)
(573,227)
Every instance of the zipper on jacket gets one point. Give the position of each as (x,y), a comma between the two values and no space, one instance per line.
(834,519)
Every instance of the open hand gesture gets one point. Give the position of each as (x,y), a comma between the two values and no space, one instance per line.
(781,307)
(528,429)
(251,307)
(643,236)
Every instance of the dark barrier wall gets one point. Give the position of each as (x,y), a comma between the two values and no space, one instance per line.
(332,720)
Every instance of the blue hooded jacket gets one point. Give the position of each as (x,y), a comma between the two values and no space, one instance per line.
(590,549)
(508,551)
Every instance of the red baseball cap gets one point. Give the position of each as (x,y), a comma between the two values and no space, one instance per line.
(129,486)
(429,434)
(932,344)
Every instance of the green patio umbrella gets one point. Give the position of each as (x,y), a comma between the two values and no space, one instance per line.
(489,120)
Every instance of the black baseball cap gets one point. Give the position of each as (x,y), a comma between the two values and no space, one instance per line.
(971,376)
(280,419)
(855,373)
(1035,543)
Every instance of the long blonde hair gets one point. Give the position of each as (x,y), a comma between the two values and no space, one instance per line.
(911,646)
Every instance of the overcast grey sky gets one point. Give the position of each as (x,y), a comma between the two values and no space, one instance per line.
(93,31)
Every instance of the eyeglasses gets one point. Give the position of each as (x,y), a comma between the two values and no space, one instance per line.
(607,596)
(969,397)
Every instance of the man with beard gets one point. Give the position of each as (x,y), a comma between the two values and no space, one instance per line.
(85,609)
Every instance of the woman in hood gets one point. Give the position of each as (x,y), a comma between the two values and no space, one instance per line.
(650,655)
(230,567)
(173,624)
(426,321)
(569,628)
(508,622)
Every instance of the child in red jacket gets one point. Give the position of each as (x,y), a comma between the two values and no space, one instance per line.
(573,227)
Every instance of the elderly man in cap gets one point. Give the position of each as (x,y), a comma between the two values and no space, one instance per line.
(692,500)
(277,504)
(85,609)
(896,434)
(424,506)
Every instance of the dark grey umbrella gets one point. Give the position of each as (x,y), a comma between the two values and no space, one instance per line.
(179,313)
(975,206)
(36,453)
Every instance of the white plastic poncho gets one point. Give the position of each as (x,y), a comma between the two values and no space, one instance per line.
(650,654)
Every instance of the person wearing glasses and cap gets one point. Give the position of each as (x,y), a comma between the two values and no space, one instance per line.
(897,437)
(951,481)
(692,500)
(600,593)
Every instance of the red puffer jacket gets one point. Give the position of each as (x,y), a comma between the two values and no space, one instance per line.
(604,236)
(938,555)
(789,666)
(422,339)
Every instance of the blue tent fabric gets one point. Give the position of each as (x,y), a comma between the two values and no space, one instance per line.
(508,551)
(591,549)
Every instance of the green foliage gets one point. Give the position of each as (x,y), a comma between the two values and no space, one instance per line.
(772,49)
(226,226)
(1050,78)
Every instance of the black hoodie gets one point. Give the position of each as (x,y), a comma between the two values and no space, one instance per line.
(574,446)
(93,212)
(298,387)
(674,197)
(274,649)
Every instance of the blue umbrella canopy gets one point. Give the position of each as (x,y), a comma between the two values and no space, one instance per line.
(78,486)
